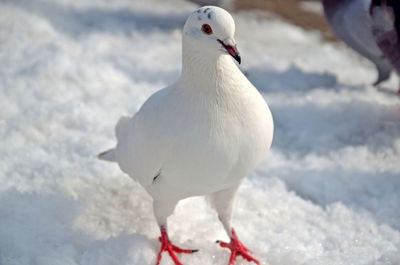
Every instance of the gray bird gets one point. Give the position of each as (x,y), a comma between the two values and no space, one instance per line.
(370,28)
(385,16)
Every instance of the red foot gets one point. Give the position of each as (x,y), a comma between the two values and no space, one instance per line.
(166,245)
(237,249)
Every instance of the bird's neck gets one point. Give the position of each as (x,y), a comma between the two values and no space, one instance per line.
(205,71)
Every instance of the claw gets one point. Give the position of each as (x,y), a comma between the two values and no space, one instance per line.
(166,245)
(237,249)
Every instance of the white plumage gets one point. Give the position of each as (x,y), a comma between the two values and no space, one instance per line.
(204,133)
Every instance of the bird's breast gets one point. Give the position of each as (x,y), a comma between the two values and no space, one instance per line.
(220,141)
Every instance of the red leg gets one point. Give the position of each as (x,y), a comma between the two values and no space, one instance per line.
(166,245)
(237,249)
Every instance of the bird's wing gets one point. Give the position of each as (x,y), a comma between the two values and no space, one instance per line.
(353,26)
(141,150)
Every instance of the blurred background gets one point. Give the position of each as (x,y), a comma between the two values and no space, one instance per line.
(304,13)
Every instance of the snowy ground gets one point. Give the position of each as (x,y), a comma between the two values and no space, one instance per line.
(328,193)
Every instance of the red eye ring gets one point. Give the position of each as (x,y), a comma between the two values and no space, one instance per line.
(206,29)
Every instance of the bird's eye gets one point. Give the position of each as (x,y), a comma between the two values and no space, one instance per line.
(206,29)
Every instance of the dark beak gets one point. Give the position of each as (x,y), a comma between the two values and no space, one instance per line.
(232,50)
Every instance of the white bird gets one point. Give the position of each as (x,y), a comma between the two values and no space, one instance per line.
(201,135)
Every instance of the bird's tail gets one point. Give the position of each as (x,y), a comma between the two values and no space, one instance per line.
(108,155)
(384,69)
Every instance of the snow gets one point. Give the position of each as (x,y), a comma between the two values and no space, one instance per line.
(328,192)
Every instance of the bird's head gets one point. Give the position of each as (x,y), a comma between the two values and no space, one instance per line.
(211,30)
